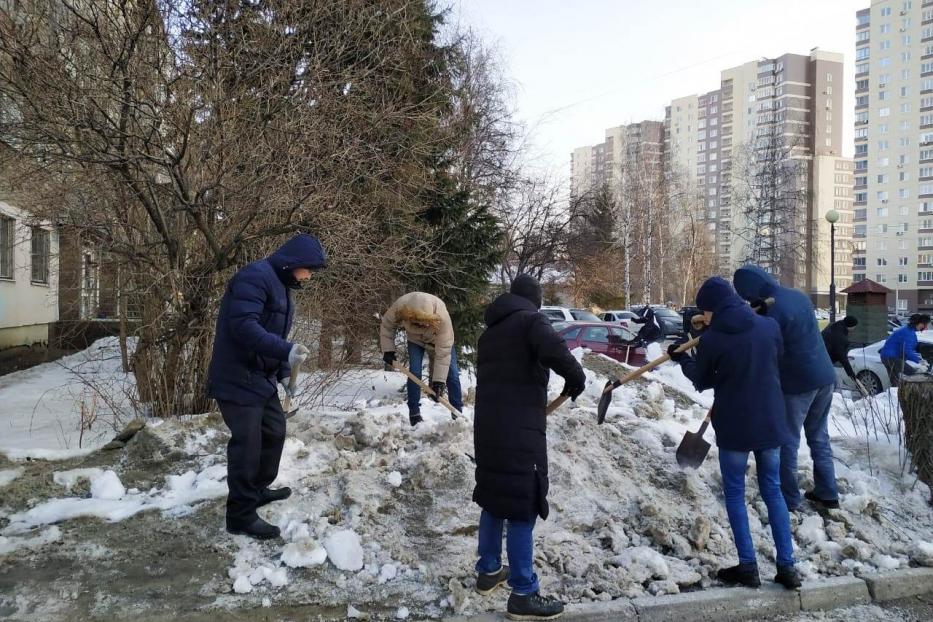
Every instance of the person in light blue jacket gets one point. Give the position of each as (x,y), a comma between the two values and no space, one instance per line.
(901,346)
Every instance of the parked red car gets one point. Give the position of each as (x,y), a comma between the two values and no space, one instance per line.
(604,338)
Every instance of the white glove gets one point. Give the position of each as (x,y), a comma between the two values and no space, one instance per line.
(298,355)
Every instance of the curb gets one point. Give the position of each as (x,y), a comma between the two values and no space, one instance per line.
(738,603)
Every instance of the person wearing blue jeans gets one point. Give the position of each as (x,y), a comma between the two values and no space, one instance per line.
(427,325)
(807,381)
(732,465)
(810,411)
(738,358)
(519,548)
(415,365)
(514,358)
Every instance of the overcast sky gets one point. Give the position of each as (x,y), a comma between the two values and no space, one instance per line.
(585,65)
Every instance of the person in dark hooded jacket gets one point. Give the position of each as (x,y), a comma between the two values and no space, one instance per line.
(251,355)
(807,380)
(836,340)
(738,358)
(509,432)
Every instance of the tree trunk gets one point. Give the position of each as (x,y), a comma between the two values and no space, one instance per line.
(121,314)
(915,394)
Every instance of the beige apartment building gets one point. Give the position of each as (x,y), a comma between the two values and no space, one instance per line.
(599,165)
(893,224)
(787,108)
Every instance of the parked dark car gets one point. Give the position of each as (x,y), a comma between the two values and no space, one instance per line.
(672,322)
(602,338)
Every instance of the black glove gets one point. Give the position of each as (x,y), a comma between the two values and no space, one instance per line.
(439,388)
(572,390)
(674,354)
(760,306)
(389,358)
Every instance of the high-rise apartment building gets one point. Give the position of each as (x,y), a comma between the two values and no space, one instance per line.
(595,166)
(893,225)
(782,115)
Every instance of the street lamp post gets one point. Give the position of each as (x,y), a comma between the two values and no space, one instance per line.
(832,217)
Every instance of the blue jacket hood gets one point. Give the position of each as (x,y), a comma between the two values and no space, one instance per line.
(302,251)
(732,315)
(752,282)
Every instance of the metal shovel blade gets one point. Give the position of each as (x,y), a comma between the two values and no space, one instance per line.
(693,449)
(604,400)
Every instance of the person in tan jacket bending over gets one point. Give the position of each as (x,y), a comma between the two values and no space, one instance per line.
(427,325)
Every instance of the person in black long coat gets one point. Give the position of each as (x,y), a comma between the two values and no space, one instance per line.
(509,431)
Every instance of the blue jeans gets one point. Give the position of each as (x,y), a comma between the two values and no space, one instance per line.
(809,411)
(732,465)
(519,546)
(415,364)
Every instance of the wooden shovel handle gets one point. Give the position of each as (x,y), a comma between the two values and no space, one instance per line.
(292,383)
(424,387)
(557,403)
(649,366)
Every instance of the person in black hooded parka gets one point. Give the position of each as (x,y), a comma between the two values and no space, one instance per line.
(251,356)
(509,431)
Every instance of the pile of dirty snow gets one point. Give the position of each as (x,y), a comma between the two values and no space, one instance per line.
(381,521)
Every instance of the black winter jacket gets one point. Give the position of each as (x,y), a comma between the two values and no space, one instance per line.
(509,430)
(836,338)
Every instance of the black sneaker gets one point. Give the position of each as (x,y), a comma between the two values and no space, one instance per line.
(788,577)
(258,529)
(743,574)
(279,494)
(415,419)
(487,583)
(533,607)
(829,504)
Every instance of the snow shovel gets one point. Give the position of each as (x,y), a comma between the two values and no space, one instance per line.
(292,385)
(693,449)
(612,385)
(424,387)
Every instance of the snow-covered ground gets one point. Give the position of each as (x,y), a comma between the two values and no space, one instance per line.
(381,521)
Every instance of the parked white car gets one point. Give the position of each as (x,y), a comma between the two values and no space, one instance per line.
(868,368)
(563,314)
(622,318)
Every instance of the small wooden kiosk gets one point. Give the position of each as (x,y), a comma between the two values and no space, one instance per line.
(868,302)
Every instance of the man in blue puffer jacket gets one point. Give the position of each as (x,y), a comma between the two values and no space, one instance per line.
(901,345)
(807,380)
(251,355)
(738,358)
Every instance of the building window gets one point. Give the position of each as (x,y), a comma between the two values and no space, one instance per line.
(6,247)
(882,211)
(902,261)
(902,278)
(884,112)
(40,255)
(881,261)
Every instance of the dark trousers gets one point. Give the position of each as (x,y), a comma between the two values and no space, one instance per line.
(257,435)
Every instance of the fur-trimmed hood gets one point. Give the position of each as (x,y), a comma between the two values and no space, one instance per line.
(425,320)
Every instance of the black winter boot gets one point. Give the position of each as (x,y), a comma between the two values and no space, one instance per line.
(533,607)
(829,504)
(258,529)
(279,494)
(743,574)
(414,419)
(487,583)
(788,577)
